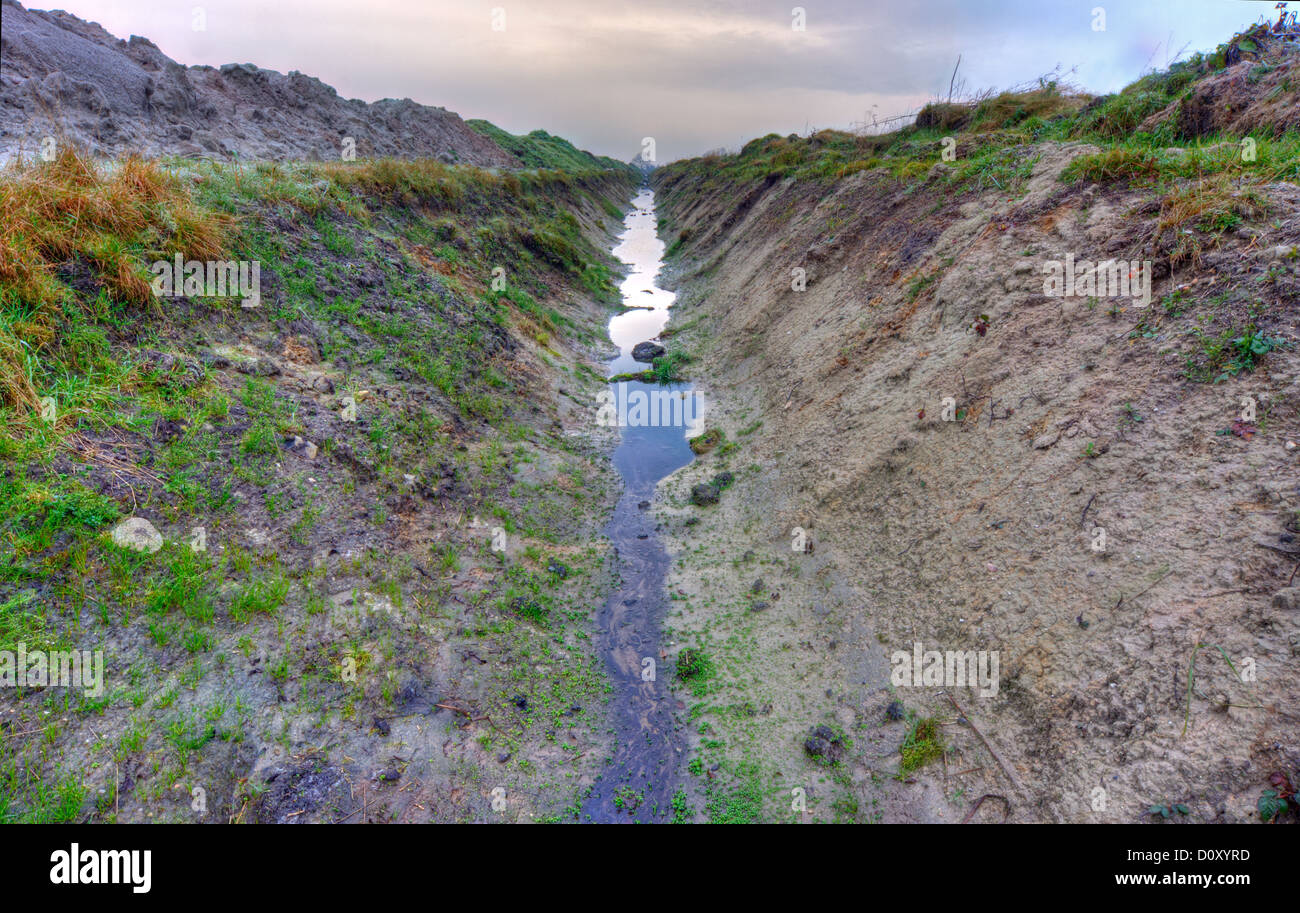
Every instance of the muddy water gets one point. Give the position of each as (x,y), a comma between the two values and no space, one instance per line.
(644,770)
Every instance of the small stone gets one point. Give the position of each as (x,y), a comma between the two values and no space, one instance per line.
(1288,598)
(262,367)
(824,746)
(137,534)
(648,351)
(704,494)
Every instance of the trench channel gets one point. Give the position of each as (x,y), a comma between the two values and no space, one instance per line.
(640,779)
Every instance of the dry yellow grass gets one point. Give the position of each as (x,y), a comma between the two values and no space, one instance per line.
(117,219)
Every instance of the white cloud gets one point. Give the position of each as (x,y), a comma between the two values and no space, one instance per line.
(696,75)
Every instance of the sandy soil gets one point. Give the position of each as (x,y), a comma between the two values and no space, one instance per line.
(978,533)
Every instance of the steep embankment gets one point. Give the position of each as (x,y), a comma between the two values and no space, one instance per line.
(377,496)
(1103,494)
(71,82)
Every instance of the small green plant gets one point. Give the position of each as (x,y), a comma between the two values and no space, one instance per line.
(1168,809)
(922,744)
(694,665)
(1129,416)
(1230,353)
(681,808)
(707,441)
(1275,802)
(627,799)
(667,368)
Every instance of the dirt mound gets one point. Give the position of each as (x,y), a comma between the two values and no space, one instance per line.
(71,80)
(1255,91)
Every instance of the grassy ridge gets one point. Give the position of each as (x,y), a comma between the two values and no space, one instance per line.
(540,149)
(992,133)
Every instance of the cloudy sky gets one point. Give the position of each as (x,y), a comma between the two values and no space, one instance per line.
(693,75)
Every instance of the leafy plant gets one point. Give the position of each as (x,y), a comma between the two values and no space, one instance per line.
(1273,803)
(1168,810)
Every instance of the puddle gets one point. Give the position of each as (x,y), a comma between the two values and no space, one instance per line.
(644,771)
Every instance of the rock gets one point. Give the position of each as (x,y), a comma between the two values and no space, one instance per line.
(824,746)
(894,711)
(137,534)
(723,480)
(1043,441)
(1288,598)
(261,367)
(648,351)
(643,505)
(301,349)
(558,569)
(704,494)
(303,447)
(322,384)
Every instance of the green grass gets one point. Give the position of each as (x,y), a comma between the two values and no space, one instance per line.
(922,745)
(25,799)
(993,133)
(540,149)
(741,803)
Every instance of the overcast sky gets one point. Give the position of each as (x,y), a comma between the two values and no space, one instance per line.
(693,75)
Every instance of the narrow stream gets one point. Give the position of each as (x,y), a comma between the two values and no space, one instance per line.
(639,782)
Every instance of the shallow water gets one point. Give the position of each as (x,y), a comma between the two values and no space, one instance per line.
(648,749)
